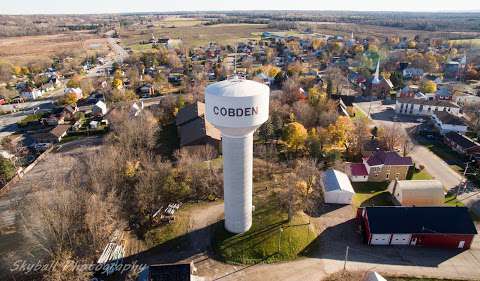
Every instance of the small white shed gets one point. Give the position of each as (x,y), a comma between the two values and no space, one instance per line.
(337,187)
(93,124)
(99,109)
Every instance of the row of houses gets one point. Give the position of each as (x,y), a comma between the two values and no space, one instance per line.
(423,107)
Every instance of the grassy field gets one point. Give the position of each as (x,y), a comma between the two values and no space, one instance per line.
(371,194)
(30,118)
(32,49)
(164,233)
(271,239)
(193,35)
(359,114)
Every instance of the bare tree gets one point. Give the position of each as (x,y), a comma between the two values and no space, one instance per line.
(391,136)
(302,188)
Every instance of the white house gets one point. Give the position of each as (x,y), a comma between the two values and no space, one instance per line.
(446,122)
(93,124)
(174,43)
(411,72)
(7,155)
(76,91)
(411,106)
(337,187)
(31,94)
(265,78)
(135,109)
(99,109)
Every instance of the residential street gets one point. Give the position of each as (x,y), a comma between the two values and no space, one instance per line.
(436,166)
(118,55)
(382,115)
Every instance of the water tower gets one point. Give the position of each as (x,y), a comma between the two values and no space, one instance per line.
(237,107)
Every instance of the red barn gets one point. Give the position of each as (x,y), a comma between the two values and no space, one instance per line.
(450,227)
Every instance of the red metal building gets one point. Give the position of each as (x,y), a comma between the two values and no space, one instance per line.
(450,227)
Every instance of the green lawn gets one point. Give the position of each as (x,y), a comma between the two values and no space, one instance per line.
(371,194)
(421,175)
(359,114)
(140,48)
(261,242)
(30,118)
(370,187)
(70,138)
(167,232)
(451,200)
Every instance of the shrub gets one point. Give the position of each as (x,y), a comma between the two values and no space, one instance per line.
(7,170)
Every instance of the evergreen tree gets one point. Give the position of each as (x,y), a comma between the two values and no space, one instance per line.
(329,87)
(397,80)
(266,131)
(7,170)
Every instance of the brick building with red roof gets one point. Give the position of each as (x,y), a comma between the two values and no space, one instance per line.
(380,166)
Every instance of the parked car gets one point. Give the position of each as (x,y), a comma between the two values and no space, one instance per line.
(41,147)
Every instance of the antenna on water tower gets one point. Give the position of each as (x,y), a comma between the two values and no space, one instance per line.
(235,76)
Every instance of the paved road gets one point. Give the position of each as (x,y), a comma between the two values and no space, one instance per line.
(119,55)
(382,115)
(8,121)
(326,256)
(436,167)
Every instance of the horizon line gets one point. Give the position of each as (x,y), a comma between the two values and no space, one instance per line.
(240,10)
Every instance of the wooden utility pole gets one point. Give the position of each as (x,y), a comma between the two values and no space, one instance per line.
(280,239)
(346,258)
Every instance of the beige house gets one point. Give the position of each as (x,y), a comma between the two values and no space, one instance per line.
(417,192)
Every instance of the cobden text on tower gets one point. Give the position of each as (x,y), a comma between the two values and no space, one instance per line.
(247,111)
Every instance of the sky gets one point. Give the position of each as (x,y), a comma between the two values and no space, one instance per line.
(130,6)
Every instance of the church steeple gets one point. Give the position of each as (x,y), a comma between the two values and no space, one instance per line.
(376,77)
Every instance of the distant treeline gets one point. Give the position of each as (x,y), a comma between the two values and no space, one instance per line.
(220,20)
(28,25)
(80,27)
(413,21)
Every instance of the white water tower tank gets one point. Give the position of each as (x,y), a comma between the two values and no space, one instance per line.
(237,107)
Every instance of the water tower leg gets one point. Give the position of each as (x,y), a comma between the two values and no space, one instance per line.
(237,178)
